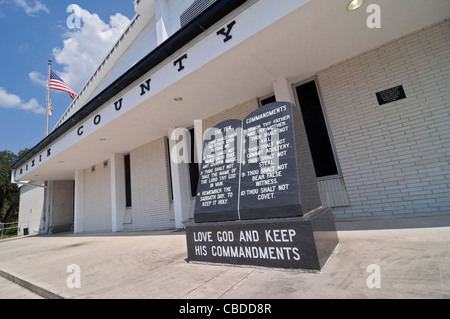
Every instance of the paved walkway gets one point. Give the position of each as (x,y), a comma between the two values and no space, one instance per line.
(412,256)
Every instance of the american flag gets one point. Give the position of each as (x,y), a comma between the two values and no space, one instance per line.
(56,83)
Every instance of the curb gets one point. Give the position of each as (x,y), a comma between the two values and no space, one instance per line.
(44,293)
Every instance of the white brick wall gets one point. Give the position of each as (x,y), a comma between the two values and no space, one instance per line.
(395,158)
(150,187)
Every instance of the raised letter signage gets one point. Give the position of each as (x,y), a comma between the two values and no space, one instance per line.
(227,32)
(145,87)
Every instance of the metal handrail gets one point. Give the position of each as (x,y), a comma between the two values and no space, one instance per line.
(3,229)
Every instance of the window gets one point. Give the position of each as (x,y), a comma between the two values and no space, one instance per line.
(194,171)
(170,168)
(316,130)
(127,180)
(268,100)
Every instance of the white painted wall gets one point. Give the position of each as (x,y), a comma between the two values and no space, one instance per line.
(31,208)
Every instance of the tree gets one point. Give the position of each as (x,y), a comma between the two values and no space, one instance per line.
(9,192)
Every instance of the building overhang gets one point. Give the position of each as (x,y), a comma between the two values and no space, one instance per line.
(231,53)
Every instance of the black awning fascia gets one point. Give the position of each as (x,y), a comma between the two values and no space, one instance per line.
(204,21)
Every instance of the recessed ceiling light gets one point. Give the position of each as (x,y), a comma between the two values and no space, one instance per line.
(355,4)
(103,139)
(178,99)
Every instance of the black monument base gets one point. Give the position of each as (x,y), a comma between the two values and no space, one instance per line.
(301,243)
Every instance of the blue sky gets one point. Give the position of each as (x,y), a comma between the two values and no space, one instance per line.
(33,31)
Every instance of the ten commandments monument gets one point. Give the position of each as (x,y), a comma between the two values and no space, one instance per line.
(257,200)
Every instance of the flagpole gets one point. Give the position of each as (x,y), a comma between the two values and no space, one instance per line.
(48,97)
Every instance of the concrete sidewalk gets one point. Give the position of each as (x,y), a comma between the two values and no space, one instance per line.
(11,290)
(413,255)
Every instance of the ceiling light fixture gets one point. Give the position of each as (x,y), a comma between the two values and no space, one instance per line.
(178,99)
(355,4)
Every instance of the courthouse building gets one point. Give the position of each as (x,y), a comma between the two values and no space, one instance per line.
(372,85)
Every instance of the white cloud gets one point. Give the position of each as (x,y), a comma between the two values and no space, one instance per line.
(12,101)
(38,79)
(32,10)
(84,48)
